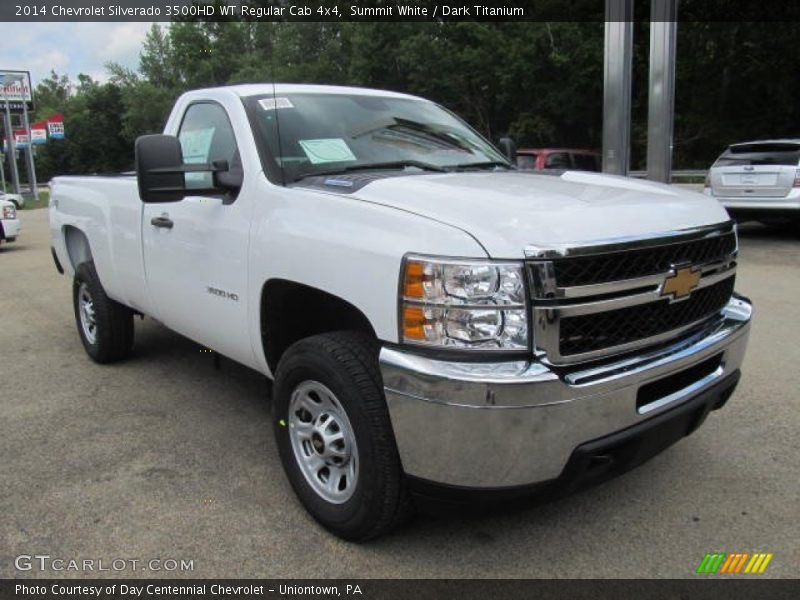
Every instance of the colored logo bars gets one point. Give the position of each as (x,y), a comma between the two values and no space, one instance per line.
(737,562)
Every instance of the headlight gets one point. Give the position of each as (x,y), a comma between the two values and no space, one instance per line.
(9,212)
(463,304)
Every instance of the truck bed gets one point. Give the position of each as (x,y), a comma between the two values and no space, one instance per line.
(91,204)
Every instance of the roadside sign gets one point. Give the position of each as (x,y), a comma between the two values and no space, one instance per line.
(55,126)
(39,133)
(16,87)
(21,138)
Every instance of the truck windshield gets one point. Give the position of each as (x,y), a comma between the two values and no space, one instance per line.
(313,134)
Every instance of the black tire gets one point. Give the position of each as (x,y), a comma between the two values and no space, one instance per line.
(347,364)
(113,330)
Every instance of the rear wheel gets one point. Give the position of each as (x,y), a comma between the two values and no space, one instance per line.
(335,438)
(105,326)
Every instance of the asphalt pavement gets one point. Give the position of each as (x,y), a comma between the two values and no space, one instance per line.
(163,457)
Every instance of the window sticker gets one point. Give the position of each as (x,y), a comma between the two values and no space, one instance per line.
(196,144)
(196,147)
(327,150)
(273,103)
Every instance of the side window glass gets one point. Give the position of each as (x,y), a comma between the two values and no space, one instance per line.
(557,160)
(206,135)
(526,161)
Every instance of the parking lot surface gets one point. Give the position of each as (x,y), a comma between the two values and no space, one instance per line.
(164,457)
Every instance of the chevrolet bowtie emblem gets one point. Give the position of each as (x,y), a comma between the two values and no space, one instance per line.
(681,283)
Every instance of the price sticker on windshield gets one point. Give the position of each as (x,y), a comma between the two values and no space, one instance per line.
(327,150)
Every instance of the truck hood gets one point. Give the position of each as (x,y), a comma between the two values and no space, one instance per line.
(507,211)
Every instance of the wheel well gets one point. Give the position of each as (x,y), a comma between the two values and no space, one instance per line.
(292,311)
(77,246)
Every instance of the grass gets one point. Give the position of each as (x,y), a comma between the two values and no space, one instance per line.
(688,179)
(41,202)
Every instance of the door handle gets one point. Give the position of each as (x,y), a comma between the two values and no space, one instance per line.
(162,221)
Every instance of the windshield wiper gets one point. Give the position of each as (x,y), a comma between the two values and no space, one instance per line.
(429,131)
(394,164)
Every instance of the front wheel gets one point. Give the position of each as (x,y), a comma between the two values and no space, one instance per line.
(335,438)
(105,326)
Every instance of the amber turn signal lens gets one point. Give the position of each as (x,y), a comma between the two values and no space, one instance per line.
(414,323)
(414,278)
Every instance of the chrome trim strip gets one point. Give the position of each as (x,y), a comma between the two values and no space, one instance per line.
(601,306)
(614,287)
(608,245)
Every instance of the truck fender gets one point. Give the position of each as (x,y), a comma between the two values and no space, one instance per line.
(77,244)
(291,311)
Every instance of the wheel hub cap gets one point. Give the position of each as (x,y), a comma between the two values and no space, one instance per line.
(87,314)
(323,442)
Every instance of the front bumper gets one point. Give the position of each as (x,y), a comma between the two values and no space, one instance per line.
(9,228)
(511,424)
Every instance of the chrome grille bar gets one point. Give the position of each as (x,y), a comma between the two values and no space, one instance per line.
(552,302)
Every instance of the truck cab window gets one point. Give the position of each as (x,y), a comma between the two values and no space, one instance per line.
(526,161)
(206,135)
(559,160)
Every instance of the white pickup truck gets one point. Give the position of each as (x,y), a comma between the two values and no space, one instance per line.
(9,222)
(436,323)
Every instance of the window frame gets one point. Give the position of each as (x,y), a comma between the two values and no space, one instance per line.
(221,106)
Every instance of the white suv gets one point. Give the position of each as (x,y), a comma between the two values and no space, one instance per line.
(758,180)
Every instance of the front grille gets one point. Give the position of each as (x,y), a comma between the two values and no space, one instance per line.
(601,330)
(629,264)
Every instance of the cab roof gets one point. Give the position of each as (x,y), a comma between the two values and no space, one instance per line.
(261,89)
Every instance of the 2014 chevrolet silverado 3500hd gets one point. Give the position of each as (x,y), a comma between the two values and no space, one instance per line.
(434,321)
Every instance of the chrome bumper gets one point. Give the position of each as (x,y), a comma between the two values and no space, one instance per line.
(494,425)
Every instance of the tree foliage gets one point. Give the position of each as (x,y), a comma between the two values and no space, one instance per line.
(540,82)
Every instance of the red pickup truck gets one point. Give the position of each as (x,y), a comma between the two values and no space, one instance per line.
(558,158)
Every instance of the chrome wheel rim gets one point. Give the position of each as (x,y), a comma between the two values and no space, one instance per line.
(323,442)
(86,313)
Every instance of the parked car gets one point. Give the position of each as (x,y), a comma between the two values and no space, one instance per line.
(9,222)
(436,323)
(17,199)
(538,159)
(758,180)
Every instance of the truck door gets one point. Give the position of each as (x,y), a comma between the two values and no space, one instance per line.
(196,250)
